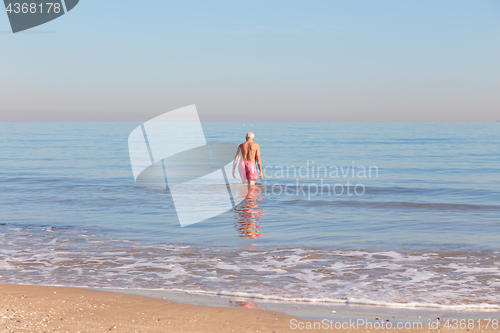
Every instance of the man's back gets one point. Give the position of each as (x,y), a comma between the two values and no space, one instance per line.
(250,157)
(249,151)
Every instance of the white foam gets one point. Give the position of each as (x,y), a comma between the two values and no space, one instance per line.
(383,278)
(359,301)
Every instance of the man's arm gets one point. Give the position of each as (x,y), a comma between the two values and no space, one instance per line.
(259,162)
(235,162)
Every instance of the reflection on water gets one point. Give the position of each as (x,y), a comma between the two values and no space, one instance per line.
(249,213)
(244,304)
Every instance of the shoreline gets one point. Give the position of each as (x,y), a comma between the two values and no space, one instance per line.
(28,308)
(317,310)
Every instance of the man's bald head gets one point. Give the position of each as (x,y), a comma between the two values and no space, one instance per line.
(250,135)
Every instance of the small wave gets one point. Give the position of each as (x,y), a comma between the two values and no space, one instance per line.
(395,205)
(357,301)
(322,301)
(75,257)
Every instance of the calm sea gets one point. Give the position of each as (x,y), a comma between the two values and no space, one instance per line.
(367,213)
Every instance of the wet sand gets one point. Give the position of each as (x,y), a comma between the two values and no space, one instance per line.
(26,308)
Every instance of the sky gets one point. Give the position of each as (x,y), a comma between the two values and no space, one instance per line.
(273,60)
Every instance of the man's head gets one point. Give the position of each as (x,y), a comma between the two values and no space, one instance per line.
(250,136)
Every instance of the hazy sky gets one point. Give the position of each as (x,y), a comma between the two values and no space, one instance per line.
(273,60)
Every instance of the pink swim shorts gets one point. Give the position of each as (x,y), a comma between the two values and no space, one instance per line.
(250,170)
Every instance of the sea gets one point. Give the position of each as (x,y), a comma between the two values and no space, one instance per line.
(374,214)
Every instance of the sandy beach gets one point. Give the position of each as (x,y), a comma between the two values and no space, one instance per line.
(27,308)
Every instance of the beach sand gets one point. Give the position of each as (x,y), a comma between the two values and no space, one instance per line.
(26,308)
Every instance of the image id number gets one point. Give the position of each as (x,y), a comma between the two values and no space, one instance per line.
(33,8)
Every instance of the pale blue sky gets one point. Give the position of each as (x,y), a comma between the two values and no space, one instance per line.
(387,60)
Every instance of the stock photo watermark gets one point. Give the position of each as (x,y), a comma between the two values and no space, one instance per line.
(171,152)
(328,180)
(365,324)
(24,15)
(358,324)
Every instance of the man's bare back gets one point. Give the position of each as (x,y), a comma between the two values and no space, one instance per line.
(250,154)
(249,151)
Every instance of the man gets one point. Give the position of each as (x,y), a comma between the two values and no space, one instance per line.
(250,154)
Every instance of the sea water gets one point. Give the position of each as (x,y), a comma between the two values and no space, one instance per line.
(401,214)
